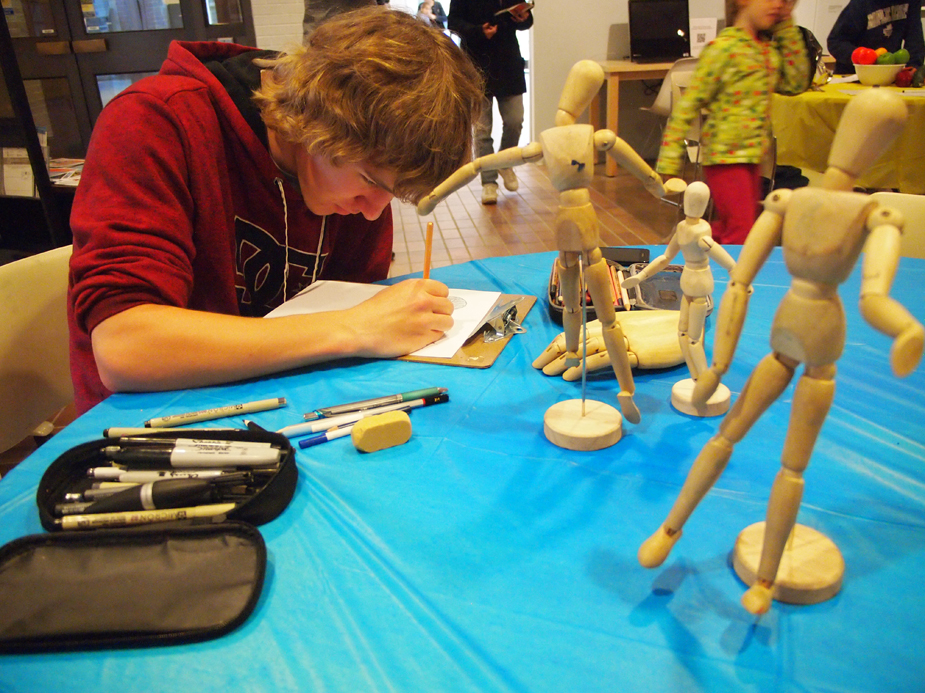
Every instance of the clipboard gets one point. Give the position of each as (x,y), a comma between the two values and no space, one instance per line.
(476,353)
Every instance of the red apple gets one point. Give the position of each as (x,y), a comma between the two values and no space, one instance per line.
(864,56)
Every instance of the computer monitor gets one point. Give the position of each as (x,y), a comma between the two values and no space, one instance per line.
(659,30)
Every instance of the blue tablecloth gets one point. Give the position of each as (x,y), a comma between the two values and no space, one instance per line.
(479,557)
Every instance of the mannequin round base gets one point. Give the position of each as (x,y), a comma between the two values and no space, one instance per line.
(811,568)
(598,426)
(682,393)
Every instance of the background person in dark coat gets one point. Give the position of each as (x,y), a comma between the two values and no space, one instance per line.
(890,24)
(491,42)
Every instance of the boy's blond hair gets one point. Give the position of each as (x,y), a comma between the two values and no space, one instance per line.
(379,86)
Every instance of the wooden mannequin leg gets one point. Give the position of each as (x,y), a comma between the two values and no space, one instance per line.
(764,386)
(690,334)
(570,286)
(598,280)
(811,402)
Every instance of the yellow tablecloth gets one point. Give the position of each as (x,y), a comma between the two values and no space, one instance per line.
(805,126)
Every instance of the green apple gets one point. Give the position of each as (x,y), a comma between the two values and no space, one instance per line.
(901,57)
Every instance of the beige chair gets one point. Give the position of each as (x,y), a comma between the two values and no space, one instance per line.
(665,99)
(680,81)
(35,374)
(913,209)
(662,104)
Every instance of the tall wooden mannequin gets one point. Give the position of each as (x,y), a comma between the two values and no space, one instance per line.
(569,150)
(822,231)
(694,240)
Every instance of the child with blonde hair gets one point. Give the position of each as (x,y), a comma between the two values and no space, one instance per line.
(760,52)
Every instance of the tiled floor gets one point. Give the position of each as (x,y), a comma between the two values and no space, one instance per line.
(524,221)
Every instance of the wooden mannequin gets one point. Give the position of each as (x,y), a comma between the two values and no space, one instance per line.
(822,231)
(693,239)
(569,150)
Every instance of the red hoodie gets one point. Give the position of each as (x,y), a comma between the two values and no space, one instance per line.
(180,204)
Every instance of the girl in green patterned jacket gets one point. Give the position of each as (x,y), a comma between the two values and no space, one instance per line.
(759,52)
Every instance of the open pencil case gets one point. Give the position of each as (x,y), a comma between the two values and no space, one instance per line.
(157,583)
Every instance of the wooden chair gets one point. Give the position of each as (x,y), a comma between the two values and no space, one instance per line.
(913,209)
(34,363)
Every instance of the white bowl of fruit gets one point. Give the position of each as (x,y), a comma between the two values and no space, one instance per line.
(878,68)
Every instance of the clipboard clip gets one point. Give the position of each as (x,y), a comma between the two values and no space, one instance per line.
(502,322)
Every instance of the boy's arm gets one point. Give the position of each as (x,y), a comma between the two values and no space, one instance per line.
(158,347)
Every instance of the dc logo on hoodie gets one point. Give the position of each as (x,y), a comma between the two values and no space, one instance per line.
(261,266)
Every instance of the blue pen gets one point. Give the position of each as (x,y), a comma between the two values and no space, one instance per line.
(326,436)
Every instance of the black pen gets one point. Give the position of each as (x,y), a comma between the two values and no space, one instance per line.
(154,495)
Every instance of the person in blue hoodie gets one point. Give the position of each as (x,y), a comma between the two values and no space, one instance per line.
(877,24)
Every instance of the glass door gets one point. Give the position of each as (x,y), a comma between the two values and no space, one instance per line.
(75,56)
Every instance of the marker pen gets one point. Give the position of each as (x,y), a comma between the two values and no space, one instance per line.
(142,516)
(216,413)
(205,443)
(118,432)
(190,457)
(150,475)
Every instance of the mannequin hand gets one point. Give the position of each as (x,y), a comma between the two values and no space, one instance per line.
(907,350)
(706,385)
(631,282)
(650,336)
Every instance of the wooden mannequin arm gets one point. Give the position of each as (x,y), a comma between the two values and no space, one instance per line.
(717,253)
(626,156)
(883,313)
(515,156)
(655,266)
(762,239)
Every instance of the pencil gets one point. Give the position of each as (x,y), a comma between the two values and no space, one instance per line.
(428,246)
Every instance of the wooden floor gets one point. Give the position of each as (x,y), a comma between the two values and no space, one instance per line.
(524,221)
(521,222)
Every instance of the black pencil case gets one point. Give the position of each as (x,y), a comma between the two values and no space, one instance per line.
(163,583)
(618,259)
